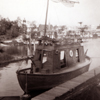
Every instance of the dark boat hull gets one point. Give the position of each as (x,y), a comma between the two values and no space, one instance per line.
(47,81)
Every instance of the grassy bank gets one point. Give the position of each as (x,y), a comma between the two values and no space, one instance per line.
(5,57)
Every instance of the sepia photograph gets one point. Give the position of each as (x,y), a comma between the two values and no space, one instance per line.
(49,50)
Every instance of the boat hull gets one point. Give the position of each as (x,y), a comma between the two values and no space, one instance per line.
(47,81)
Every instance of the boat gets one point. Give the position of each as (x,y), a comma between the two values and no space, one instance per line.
(54,63)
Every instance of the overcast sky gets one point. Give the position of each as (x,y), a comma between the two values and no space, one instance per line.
(86,11)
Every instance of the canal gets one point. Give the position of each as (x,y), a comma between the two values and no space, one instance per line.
(9,85)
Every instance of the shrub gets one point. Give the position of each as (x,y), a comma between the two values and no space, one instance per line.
(5,57)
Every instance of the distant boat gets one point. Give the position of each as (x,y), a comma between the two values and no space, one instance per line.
(54,62)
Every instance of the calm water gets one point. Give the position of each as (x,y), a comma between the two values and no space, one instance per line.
(9,85)
(20,50)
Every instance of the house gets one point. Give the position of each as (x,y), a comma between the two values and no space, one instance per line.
(98,30)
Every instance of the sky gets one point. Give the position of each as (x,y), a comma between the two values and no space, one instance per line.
(86,11)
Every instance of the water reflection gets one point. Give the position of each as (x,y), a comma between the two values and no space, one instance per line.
(19,50)
(9,85)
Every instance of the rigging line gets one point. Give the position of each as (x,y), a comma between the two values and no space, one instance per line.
(26,83)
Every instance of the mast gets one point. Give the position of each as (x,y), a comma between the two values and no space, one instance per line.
(45,29)
(46,18)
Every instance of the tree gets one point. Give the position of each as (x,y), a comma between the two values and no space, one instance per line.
(25,39)
(63,27)
(14,30)
(55,27)
(3,26)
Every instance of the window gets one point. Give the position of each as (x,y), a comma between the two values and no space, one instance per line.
(62,59)
(77,53)
(61,55)
(44,57)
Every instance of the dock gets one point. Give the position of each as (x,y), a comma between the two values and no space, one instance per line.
(72,87)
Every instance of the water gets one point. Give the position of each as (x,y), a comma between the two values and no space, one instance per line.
(9,85)
(20,50)
(93,46)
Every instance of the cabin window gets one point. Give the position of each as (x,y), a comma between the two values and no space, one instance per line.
(77,54)
(61,55)
(62,58)
(44,57)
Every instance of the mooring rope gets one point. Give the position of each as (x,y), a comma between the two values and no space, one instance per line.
(26,84)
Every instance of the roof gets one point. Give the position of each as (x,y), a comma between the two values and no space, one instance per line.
(47,38)
(53,44)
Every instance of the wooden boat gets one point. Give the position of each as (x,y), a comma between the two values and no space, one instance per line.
(53,64)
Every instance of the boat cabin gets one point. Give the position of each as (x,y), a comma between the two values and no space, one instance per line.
(53,56)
